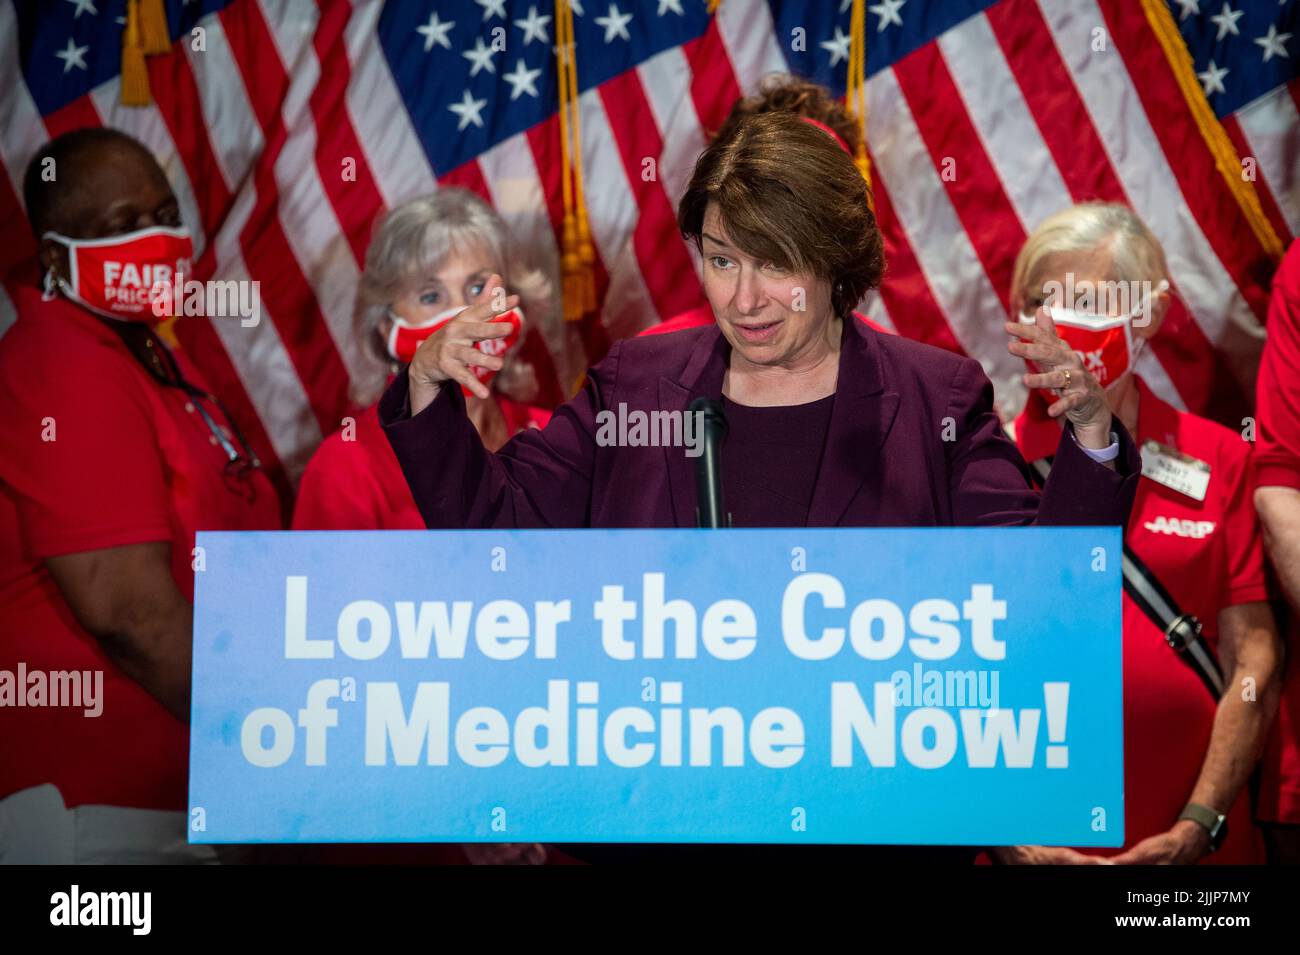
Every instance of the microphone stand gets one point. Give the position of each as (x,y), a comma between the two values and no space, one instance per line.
(709,509)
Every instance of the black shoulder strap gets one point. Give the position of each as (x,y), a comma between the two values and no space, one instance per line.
(1182,630)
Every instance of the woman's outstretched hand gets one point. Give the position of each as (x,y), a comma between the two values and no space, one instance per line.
(449,353)
(1042,855)
(1080,396)
(505,853)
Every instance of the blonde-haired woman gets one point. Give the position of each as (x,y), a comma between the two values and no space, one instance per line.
(429,258)
(1188,749)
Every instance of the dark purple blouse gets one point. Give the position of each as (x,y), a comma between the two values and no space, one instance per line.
(770,460)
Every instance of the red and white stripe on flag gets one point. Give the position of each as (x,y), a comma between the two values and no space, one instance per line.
(253,132)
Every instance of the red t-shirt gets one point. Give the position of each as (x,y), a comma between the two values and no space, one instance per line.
(1208,554)
(1277,447)
(354,483)
(1277,464)
(704,316)
(95,453)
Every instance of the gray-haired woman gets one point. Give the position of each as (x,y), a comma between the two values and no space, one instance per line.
(1188,750)
(429,258)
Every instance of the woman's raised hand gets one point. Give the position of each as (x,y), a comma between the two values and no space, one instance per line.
(449,353)
(1080,395)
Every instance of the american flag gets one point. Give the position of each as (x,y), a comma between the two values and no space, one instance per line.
(983,118)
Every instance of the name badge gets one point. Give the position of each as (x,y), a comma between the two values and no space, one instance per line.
(1175,470)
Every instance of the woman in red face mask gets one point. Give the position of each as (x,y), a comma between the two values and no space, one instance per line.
(1195,719)
(429,259)
(112,455)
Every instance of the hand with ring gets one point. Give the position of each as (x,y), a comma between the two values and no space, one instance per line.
(449,353)
(1060,368)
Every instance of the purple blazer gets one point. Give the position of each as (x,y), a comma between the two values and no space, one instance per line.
(886,461)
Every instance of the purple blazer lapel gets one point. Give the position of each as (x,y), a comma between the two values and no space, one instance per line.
(861,416)
(701,376)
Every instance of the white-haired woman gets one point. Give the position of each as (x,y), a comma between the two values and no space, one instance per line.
(1188,749)
(429,258)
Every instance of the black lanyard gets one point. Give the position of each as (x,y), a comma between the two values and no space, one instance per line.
(161,365)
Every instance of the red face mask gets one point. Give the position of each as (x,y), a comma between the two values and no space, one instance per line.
(1106,346)
(404,338)
(115,276)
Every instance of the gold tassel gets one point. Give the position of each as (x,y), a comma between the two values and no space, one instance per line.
(135,77)
(855,96)
(571,300)
(586,251)
(578,256)
(154,35)
(587,255)
(863,162)
(166,330)
(571,271)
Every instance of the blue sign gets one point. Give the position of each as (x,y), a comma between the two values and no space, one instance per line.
(909,686)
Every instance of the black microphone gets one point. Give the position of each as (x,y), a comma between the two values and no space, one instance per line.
(709,511)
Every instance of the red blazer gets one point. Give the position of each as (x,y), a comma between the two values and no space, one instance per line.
(886,463)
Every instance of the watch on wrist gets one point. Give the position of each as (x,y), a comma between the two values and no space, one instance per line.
(1213,821)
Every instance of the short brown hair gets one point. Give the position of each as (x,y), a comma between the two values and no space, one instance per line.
(789,195)
(786,93)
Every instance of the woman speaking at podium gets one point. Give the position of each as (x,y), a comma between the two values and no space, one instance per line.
(830,423)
